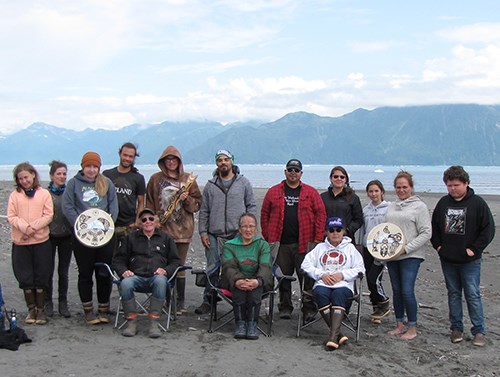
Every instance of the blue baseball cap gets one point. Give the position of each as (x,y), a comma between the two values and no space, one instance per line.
(334,222)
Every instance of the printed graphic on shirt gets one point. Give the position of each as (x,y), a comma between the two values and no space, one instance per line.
(168,195)
(333,260)
(454,222)
(90,196)
(291,201)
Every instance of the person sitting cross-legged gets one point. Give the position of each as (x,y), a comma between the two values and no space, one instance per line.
(145,261)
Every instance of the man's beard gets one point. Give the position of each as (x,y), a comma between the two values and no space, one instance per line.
(224,173)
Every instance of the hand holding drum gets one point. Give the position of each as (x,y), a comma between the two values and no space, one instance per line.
(385,241)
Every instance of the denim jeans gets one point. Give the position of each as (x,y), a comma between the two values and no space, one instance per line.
(336,296)
(403,274)
(157,285)
(213,257)
(466,278)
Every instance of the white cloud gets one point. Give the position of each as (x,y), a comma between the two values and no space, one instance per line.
(482,32)
(378,46)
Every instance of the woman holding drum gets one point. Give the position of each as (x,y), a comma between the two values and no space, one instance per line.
(411,215)
(89,189)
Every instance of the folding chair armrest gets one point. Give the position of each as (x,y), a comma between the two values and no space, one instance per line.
(177,270)
(110,271)
(198,271)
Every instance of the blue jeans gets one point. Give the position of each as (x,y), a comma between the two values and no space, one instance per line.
(336,296)
(157,285)
(403,274)
(213,257)
(466,278)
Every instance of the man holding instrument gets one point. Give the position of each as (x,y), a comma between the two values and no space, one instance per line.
(174,197)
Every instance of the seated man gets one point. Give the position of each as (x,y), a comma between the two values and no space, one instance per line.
(145,261)
(334,265)
(246,271)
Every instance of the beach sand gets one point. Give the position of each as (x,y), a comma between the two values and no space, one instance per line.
(68,347)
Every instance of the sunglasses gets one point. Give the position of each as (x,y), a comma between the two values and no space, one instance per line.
(293,170)
(336,176)
(150,218)
(333,230)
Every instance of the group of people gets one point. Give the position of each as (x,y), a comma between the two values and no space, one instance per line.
(154,226)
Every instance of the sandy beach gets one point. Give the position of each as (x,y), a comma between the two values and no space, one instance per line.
(69,347)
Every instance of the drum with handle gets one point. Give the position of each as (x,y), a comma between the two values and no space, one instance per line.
(385,241)
(94,228)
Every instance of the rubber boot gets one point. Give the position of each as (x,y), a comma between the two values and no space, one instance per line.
(90,317)
(41,319)
(63,308)
(180,284)
(325,314)
(336,317)
(253,321)
(381,310)
(240,331)
(102,312)
(154,315)
(29,297)
(131,316)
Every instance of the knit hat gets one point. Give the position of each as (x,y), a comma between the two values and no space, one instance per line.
(91,158)
(224,152)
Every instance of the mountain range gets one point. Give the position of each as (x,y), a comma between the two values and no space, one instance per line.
(466,134)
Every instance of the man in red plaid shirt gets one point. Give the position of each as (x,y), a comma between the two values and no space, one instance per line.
(293,214)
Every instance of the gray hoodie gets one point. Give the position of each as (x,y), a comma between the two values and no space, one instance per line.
(221,208)
(372,216)
(80,195)
(412,216)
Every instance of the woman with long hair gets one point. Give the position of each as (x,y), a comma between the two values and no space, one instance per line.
(410,213)
(29,212)
(341,201)
(90,189)
(61,241)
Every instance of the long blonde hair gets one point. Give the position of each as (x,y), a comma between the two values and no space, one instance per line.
(101,184)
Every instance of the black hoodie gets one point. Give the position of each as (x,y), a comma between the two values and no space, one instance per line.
(458,225)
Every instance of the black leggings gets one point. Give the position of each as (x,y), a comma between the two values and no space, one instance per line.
(31,264)
(63,247)
(86,258)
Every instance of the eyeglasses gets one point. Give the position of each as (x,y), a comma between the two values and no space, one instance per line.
(170,158)
(150,218)
(333,230)
(248,226)
(293,170)
(336,176)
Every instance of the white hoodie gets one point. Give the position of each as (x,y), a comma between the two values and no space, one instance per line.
(326,258)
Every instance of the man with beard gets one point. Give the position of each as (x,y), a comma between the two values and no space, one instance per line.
(130,190)
(225,198)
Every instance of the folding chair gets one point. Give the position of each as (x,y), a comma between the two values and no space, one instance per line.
(142,307)
(224,295)
(351,320)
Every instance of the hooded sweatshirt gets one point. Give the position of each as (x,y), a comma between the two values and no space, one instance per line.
(412,216)
(222,207)
(326,258)
(80,195)
(458,225)
(372,215)
(160,192)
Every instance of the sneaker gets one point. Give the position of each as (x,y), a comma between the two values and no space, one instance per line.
(456,336)
(479,340)
(203,308)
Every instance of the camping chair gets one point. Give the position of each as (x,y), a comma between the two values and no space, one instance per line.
(220,294)
(142,307)
(352,319)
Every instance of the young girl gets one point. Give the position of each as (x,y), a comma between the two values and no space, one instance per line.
(374,214)
(90,189)
(29,213)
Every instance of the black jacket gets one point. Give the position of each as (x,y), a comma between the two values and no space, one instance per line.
(143,255)
(458,225)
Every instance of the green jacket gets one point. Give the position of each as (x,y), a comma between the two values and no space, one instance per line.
(246,261)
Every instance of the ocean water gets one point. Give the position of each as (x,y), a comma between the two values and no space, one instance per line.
(484,179)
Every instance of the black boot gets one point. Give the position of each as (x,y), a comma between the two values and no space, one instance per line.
(336,317)
(181,291)
(240,331)
(63,308)
(253,321)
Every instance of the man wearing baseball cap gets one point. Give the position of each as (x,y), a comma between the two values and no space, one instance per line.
(226,197)
(293,214)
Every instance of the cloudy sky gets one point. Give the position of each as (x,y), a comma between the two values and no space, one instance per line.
(111,63)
